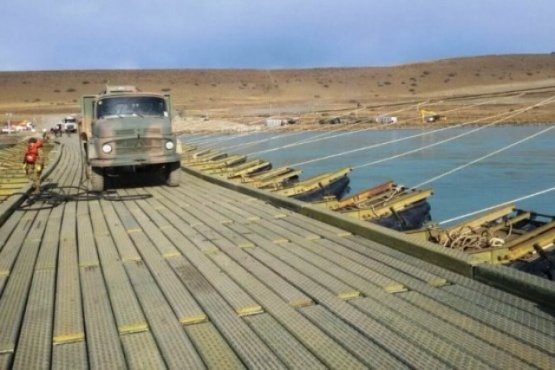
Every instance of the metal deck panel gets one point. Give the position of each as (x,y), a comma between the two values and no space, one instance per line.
(14,296)
(126,249)
(290,351)
(87,248)
(165,247)
(176,294)
(312,252)
(360,345)
(487,333)
(7,228)
(226,319)
(68,323)
(70,356)
(497,299)
(6,360)
(48,254)
(291,295)
(215,351)
(193,261)
(35,341)
(175,346)
(125,305)
(103,343)
(11,247)
(141,351)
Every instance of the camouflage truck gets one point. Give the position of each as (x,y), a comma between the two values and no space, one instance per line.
(124,129)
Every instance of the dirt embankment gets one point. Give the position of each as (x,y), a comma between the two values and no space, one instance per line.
(482,89)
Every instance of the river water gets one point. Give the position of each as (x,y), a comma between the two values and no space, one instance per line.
(517,162)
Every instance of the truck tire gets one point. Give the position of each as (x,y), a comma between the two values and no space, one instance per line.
(173,174)
(97,179)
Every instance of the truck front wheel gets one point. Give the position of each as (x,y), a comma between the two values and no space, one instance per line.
(97,179)
(173,174)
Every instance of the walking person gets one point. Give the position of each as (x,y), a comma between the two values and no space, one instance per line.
(33,162)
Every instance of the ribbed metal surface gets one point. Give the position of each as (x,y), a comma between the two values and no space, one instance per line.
(181,301)
(14,296)
(353,340)
(100,227)
(126,308)
(3,279)
(6,360)
(239,336)
(102,334)
(292,352)
(11,247)
(364,250)
(334,356)
(141,351)
(349,270)
(488,334)
(68,322)
(418,334)
(286,253)
(497,300)
(87,249)
(70,356)
(48,254)
(234,295)
(164,246)
(35,341)
(175,346)
(7,228)
(285,290)
(126,249)
(214,349)
(200,276)
(154,214)
(515,317)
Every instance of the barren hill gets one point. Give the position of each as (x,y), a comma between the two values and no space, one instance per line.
(246,94)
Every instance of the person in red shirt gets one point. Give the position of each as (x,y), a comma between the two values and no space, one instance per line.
(33,162)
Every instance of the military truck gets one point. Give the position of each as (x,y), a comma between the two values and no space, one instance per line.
(124,129)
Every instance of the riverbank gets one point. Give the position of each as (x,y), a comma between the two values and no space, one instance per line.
(461,89)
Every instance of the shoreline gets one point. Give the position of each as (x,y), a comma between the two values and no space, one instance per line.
(343,127)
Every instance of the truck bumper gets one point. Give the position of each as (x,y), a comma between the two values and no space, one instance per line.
(136,161)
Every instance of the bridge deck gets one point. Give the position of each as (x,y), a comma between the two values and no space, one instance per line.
(202,276)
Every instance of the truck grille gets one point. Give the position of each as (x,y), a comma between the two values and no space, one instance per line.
(125,132)
(152,131)
(141,145)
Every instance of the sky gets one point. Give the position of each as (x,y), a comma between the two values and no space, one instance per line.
(43,35)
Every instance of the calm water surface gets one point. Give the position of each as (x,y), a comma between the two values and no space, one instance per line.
(520,171)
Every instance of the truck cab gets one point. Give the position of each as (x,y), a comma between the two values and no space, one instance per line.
(124,129)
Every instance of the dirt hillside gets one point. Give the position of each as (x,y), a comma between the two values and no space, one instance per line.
(478,88)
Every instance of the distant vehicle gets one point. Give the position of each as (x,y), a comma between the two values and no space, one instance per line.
(70,124)
(7,129)
(17,127)
(386,120)
(125,129)
(430,116)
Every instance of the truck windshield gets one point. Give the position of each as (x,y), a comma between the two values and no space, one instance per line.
(131,106)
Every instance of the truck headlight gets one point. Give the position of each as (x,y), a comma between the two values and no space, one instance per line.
(107,148)
(169,145)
